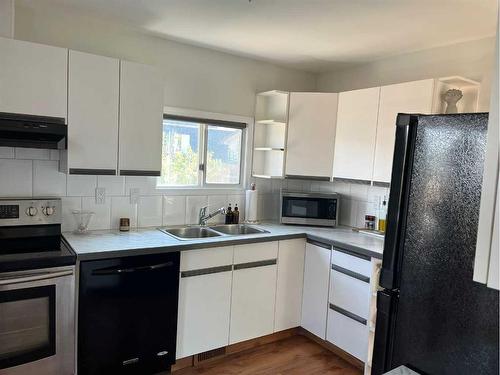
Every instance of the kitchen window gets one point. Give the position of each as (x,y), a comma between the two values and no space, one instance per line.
(201,153)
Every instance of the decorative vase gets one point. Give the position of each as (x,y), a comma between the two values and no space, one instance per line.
(451,98)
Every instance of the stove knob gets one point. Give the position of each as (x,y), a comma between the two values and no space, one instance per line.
(48,211)
(31,211)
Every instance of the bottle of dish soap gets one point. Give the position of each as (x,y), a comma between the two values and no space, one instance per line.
(236,214)
(229,215)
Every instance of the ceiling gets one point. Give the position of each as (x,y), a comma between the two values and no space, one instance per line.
(311,35)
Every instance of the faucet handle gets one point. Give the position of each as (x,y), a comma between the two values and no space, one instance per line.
(203,210)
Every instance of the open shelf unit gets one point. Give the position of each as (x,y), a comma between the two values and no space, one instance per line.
(271,118)
(469,88)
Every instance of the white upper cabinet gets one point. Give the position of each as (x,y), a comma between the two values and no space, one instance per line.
(311,134)
(141,117)
(408,97)
(355,135)
(33,78)
(93,94)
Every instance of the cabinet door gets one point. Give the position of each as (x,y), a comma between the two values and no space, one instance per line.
(204,300)
(93,93)
(254,291)
(315,294)
(408,97)
(141,117)
(311,134)
(33,78)
(289,285)
(355,134)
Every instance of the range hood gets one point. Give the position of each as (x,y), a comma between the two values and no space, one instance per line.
(18,130)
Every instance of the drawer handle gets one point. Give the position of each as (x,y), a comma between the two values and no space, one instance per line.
(130,361)
(350,273)
(206,271)
(349,314)
(260,263)
(320,244)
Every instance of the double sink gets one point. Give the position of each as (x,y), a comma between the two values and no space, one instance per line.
(196,232)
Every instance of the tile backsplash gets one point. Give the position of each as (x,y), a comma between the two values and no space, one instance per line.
(29,172)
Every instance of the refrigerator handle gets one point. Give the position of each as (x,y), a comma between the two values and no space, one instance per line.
(402,163)
(384,332)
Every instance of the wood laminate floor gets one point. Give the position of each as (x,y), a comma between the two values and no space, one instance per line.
(294,355)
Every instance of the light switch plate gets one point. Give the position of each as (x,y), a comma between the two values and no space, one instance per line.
(134,195)
(100,195)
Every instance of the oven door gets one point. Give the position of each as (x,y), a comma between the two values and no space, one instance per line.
(309,210)
(37,322)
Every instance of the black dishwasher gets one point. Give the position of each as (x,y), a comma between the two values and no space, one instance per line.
(127,314)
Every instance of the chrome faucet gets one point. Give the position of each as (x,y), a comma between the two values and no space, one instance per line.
(203,216)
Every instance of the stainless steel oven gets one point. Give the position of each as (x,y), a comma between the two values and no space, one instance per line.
(37,321)
(309,208)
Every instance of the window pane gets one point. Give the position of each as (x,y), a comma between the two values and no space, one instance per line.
(180,159)
(223,155)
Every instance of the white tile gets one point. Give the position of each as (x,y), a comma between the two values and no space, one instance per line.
(326,187)
(55,154)
(68,205)
(81,185)
(348,212)
(16,178)
(359,192)
(238,199)
(32,153)
(121,208)
(102,216)
(215,202)
(47,180)
(174,210)
(114,185)
(146,185)
(315,186)
(7,153)
(269,209)
(193,205)
(343,188)
(294,185)
(276,185)
(149,211)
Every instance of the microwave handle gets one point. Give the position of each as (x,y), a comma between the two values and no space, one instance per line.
(34,277)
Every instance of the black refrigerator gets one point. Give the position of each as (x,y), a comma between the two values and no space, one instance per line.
(431,316)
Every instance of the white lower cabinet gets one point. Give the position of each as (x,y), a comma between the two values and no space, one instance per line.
(316,281)
(204,300)
(349,303)
(290,284)
(254,291)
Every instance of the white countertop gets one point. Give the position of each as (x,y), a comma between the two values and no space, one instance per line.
(112,243)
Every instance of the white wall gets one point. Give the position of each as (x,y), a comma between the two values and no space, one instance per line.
(471,59)
(195,78)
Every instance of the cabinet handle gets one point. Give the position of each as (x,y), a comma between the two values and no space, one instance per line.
(309,178)
(134,172)
(352,253)
(349,314)
(260,263)
(100,172)
(320,244)
(206,271)
(352,181)
(350,273)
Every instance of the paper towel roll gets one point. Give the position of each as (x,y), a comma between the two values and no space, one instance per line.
(251,204)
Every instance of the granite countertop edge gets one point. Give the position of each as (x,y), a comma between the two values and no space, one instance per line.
(86,247)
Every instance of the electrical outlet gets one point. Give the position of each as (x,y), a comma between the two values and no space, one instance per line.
(134,195)
(100,195)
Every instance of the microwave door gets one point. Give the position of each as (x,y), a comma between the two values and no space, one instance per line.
(309,210)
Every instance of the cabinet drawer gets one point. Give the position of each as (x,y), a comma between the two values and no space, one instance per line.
(255,252)
(348,334)
(354,263)
(349,292)
(206,258)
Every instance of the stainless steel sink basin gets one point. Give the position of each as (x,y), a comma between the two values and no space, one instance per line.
(237,229)
(188,233)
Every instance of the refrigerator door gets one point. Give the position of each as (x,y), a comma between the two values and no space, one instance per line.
(444,323)
(386,316)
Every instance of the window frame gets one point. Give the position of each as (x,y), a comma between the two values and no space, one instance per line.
(205,119)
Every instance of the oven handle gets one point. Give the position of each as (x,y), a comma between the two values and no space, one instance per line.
(34,277)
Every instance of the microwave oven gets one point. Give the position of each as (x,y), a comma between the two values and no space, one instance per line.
(319,209)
